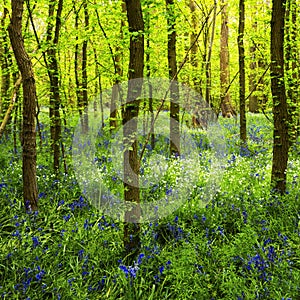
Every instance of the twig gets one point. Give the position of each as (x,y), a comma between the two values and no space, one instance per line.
(175,76)
(11,106)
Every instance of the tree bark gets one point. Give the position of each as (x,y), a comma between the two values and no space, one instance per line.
(30,192)
(280,134)
(130,114)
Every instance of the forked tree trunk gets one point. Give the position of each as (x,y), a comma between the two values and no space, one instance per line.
(30,192)
(174,89)
(129,116)
(280,135)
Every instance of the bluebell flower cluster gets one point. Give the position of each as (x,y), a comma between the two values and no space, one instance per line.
(35,241)
(30,276)
(131,271)
(80,204)
(3,186)
(161,271)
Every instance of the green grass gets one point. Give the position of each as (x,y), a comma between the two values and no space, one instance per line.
(244,244)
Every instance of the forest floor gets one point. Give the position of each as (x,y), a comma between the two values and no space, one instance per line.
(242,243)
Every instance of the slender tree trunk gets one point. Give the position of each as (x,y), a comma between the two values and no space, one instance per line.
(11,106)
(280,135)
(291,60)
(76,63)
(174,90)
(196,79)
(253,99)
(209,53)
(53,73)
(226,106)
(84,70)
(194,47)
(5,66)
(97,73)
(129,116)
(243,121)
(148,74)
(30,193)
(118,75)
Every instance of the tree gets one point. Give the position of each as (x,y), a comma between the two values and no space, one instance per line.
(243,121)
(209,54)
(253,99)
(148,75)
(174,89)
(118,70)
(5,64)
(11,106)
(226,106)
(53,73)
(84,69)
(129,120)
(291,61)
(30,192)
(280,113)
(194,46)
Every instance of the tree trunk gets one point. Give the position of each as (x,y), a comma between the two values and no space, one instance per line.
(291,60)
(5,66)
(85,120)
(174,90)
(53,73)
(30,192)
(226,106)
(194,47)
(243,121)
(76,62)
(209,53)
(253,99)
(98,85)
(118,75)
(280,135)
(129,116)
(11,106)
(148,74)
